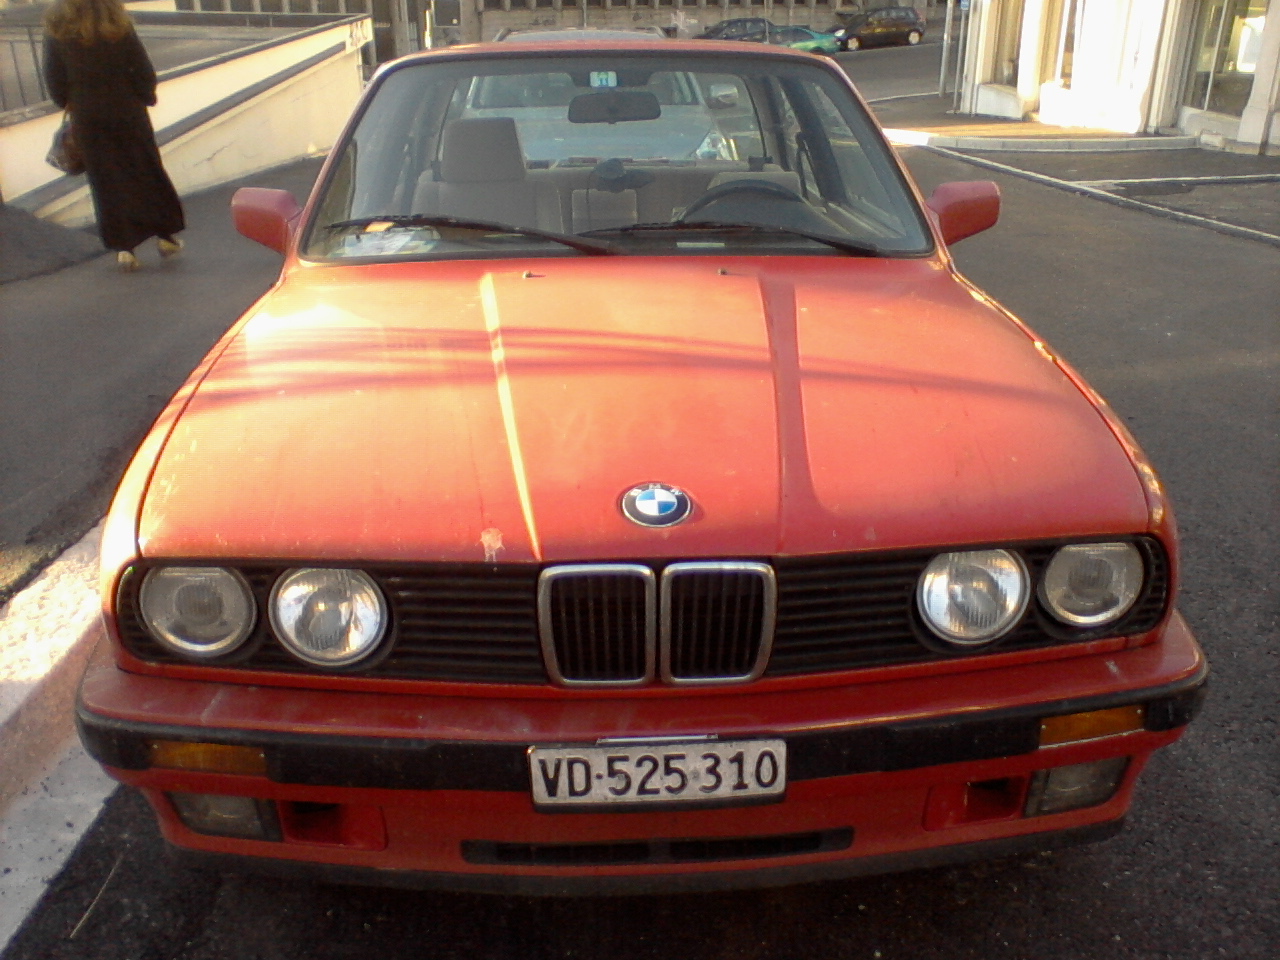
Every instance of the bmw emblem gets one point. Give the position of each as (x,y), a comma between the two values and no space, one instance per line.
(656,505)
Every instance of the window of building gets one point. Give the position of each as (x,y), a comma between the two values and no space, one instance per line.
(1068,30)
(1224,55)
(1008,41)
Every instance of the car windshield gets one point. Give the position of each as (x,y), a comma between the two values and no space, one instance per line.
(642,152)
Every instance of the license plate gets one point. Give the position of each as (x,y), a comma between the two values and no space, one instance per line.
(658,773)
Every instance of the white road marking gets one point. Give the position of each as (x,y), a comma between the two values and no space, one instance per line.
(51,791)
(41,829)
(1084,189)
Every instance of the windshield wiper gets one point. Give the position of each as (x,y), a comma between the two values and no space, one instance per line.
(595,248)
(852,247)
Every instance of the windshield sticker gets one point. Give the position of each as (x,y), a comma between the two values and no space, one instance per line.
(384,244)
(604,78)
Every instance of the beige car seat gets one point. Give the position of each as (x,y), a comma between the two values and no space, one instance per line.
(482,176)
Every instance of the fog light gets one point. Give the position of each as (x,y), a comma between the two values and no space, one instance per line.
(1071,788)
(208,757)
(218,815)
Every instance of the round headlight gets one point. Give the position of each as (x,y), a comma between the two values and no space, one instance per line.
(200,612)
(1090,584)
(972,598)
(329,618)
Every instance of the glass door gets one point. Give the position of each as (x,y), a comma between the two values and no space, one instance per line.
(1224,55)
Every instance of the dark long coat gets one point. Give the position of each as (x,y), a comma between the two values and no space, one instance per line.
(107,87)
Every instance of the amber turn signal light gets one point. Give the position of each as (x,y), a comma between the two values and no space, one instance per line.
(1089,726)
(208,757)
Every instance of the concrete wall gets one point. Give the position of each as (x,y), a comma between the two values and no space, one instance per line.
(228,119)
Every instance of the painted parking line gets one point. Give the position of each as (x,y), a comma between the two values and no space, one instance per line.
(1224,180)
(40,830)
(50,791)
(1084,188)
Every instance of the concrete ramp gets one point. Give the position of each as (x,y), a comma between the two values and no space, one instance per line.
(238,93)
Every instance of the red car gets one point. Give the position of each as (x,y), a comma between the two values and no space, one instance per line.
(620,490)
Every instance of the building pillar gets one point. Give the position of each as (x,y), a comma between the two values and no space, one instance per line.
(469,20)
(979,41)
(1258,122)
(1032,46)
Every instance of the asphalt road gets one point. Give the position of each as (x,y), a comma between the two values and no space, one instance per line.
(883,72)
(1176,325)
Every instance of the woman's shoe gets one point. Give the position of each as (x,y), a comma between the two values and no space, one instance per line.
(126,261)
(169,247)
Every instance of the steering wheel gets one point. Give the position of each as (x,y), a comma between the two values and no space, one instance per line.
(764,188)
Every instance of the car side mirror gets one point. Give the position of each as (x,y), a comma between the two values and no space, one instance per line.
(267,216)
(964,208)
(721,96)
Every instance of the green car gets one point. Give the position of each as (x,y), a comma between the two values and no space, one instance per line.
(802,38)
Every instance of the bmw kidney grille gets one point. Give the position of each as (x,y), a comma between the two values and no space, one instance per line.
(618,625)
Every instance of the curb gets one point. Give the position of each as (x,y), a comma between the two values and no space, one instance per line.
(1118,144)
(45,641)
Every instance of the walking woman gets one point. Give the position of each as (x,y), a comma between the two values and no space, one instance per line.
(97,70)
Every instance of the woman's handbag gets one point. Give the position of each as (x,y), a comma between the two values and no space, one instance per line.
(64,153)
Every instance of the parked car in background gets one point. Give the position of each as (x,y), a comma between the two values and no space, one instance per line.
(750,29)
(802,38)
(879,27)
(621,490)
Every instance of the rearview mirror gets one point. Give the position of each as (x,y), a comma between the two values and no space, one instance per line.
(264,215)
(964,208)
(614,106)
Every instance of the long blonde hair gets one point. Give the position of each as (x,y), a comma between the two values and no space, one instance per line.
(87,20)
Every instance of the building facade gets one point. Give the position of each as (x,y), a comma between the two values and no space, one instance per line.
(482,19)
(1209,68)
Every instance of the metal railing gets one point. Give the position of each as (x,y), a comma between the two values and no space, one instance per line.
(21,67)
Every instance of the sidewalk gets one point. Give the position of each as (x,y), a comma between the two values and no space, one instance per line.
(927,120)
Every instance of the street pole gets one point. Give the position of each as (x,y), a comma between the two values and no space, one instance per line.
(946,49)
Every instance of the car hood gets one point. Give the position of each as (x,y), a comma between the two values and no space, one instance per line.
(478,410)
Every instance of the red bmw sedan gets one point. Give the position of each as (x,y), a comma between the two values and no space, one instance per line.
(622,491)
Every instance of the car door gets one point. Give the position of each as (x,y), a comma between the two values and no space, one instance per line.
(901,25)
(880,26)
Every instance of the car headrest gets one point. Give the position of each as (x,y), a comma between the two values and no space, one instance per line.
(481,150)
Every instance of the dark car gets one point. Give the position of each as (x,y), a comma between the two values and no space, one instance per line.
(751,29)
(879,27)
